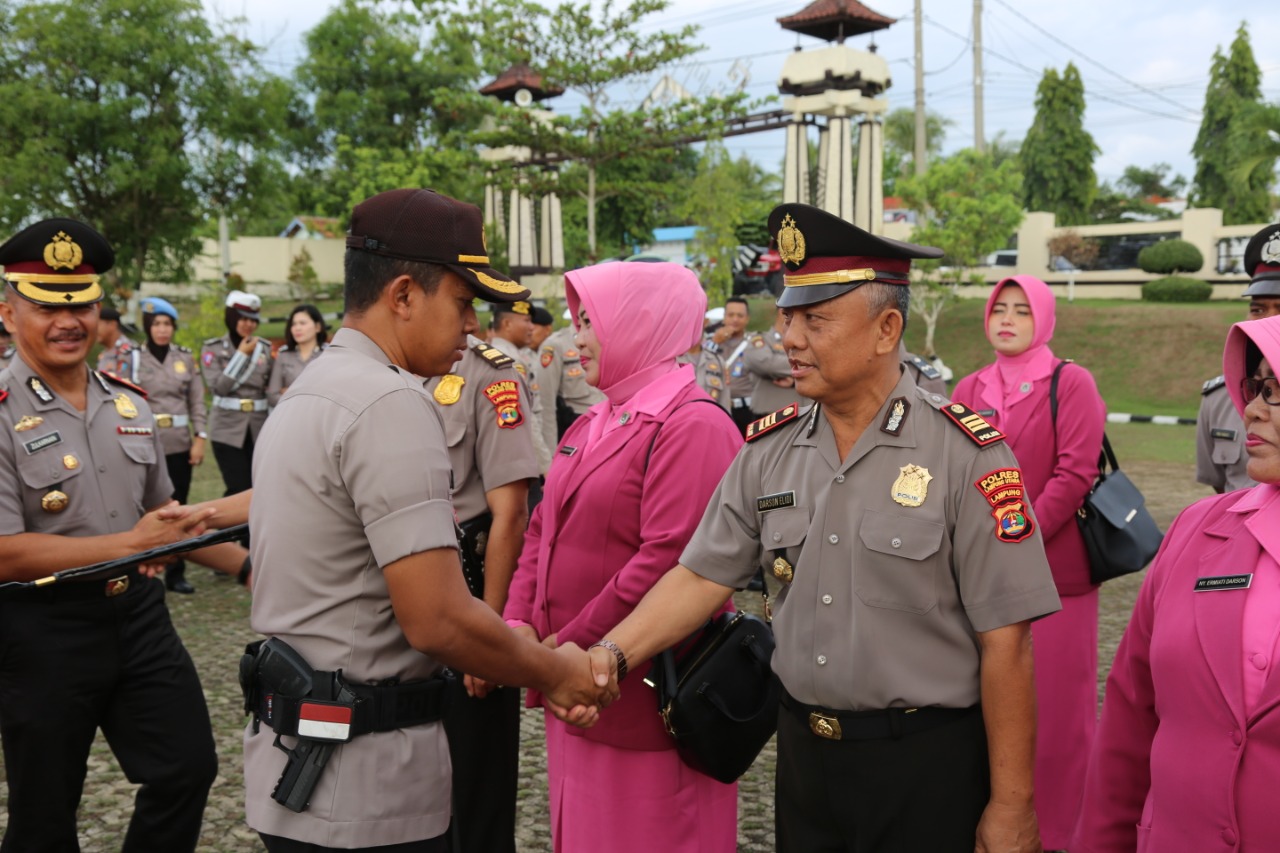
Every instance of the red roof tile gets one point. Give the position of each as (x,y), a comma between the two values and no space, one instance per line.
(520,76)
(835,20)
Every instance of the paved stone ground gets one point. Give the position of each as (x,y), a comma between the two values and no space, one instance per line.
(213,624)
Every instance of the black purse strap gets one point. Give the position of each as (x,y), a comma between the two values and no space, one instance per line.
(1107,455)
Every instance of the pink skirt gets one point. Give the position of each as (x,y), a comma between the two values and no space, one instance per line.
(633,801)
(1066,659)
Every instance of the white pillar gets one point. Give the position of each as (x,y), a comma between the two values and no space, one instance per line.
(838,198)
(552,243)
(795,179)
(824,142)
(869,210)
(521,245)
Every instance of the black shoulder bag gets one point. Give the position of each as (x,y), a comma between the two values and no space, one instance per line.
(720,699)
(1119,534)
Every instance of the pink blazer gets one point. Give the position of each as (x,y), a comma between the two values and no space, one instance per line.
(1059,464)
(609,526)
(1178,765)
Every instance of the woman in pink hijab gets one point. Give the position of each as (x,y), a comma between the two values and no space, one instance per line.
(1059,462)
(625,492)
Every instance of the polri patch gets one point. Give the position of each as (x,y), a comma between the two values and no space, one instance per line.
(505,397)
(896,416)
(47,440)
(548,356)
(1221,582)
(1227,434)
(972,423)
(778,500)
(1005,491)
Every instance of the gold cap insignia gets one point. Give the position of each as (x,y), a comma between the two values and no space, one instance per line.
(782,570)
(54,501)
(790,242)
(70,462)
(449,391)
(125,406)
(63,253)
(521,307)
(912,486)
(27,422)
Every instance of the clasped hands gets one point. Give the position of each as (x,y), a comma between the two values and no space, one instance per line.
(165,525)
(587,684)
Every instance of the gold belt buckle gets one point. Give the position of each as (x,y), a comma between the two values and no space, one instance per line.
(117,586)
(823,725)
(246,405)
(164,421)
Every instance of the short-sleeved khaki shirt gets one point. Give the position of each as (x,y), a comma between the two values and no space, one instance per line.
(486,424)
(352,474)
(238,383)
(765,359)
(176,394)
(75,473)
(558,372)
(287,367)
(898,555)
(709,373)
(1221,460)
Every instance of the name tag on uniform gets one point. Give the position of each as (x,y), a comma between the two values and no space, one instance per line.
(987,413)
(1228,434)
(1224,582)
(568,451)
(42,442)
(781,500)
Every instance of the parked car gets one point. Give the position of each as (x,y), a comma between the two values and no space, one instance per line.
(757,270)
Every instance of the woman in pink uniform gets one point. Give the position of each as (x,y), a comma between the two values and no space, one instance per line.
(624,494)
(1188,749)
(1059,461)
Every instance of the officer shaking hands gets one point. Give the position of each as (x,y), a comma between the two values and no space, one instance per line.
(80,466)
(355,550)
(913,565)
(1220,455)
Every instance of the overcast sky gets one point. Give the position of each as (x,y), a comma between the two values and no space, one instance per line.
(1145,63)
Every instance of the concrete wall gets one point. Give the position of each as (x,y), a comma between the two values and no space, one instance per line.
(266,260)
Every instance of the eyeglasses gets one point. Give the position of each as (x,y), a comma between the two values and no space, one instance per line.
(1268,387)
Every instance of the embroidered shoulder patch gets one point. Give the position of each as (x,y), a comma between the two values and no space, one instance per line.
(1212,385)
(494,356)
(972,424)
(772,421)
(548,356)
(505,397)
(126,383)
(1003,488)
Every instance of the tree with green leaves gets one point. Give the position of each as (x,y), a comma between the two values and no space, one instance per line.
(1230,174)
(1057,153)
(587,49)
(900,143)
(969,208)
(134,116)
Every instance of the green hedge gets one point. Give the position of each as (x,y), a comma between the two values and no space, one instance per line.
(1169,257)
(1177,289)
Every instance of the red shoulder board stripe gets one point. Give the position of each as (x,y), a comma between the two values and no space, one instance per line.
(125,382)
(771,422)
(3,394)
(972,424)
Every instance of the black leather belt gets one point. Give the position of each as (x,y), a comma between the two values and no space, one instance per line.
(378,708)
(89,590)
(871,725)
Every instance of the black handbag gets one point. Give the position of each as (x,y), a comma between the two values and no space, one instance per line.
(1119,534)
(720,700)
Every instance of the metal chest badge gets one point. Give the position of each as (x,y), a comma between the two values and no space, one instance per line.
(179,367)
(54,501)
(125,406)
(70,462)
(782,570)
(27,422)
(449,391)
(912,486)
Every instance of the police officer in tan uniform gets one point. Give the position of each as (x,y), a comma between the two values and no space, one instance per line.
(512,325)
(360,572)
(484,406)
(923,372)
(1220,456)
(562,384)
(709,373)
(117,350)
(911,567)
(80,465)
(7,349)
(237,370)
(730,343)
(167,372)
(765,359)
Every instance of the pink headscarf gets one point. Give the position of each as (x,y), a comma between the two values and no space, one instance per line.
(1263,334)
(645,315)
(1016,373)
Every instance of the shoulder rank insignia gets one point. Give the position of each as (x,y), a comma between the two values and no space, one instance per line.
(1212,385)
(926,368)
(126,383)
(493,355)
(181,348)
(772,421)
(972,424)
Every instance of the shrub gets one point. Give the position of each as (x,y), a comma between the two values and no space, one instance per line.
(1169,257)
(1177,289)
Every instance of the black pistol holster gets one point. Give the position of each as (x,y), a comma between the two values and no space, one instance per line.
(321,710)
(473,538)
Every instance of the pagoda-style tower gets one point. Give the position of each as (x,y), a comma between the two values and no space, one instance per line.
(844,85)
(522,86)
